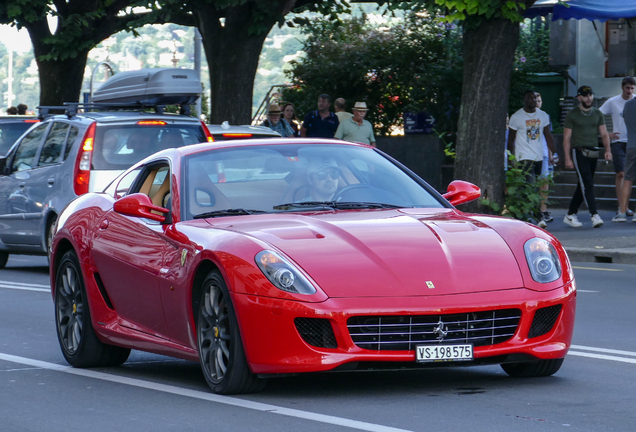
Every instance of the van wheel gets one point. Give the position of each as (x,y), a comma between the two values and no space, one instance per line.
(4,257)
(49,235)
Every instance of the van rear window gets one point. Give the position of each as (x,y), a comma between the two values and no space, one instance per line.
(9,133)
(119,147)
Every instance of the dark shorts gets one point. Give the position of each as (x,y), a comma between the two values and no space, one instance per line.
(630,165)
(618,155)
(533,168)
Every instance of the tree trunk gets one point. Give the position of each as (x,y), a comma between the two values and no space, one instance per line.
(232,51)
(489,51)
(61,80)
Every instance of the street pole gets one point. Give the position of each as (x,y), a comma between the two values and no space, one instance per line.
(197,66)
(10,80)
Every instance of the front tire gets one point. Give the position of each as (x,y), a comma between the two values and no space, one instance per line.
(80,346)
(219,341)
(533,369)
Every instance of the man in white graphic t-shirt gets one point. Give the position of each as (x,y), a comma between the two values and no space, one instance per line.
(614,106)
(527,127)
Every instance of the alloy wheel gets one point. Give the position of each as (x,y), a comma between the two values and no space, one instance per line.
(70,309)
(214,333)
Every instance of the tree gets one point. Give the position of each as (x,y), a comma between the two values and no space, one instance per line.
(410,64)
(233,33)
(491,35)
(81,24)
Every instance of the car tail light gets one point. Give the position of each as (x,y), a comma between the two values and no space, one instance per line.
(206,131)
(152,123)
(82,172)
(237,135)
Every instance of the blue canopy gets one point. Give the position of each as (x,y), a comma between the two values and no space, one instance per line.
(601,10)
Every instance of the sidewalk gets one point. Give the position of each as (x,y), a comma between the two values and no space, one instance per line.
(611,243)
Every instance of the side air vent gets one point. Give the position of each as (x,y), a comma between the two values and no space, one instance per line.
(102,291)
(544,320)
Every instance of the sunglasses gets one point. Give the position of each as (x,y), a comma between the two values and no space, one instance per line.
(322,175)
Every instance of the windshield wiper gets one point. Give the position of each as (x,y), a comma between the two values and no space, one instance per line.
(331,205)
(325,205)
(228,212)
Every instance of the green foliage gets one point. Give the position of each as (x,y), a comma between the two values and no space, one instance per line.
(412,66)
(522,200)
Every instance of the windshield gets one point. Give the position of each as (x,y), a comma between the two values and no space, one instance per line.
(117,147)
(296,177)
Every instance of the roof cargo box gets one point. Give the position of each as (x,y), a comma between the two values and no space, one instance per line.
(160,86)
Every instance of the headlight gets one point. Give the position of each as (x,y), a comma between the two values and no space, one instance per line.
(282,274)
(542,260)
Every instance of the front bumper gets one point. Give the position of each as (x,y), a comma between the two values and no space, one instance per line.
(274,346)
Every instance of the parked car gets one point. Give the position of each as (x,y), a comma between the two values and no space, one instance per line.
(11,128)
(67,155)
(225,131)
(278,256)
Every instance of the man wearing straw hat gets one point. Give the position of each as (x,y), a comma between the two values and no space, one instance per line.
(276,123)
(357,129)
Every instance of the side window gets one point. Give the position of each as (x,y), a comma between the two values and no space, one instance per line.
(53,145)
(25,154)
(69,141)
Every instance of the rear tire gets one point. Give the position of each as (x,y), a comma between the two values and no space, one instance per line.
(4,257)
(219,341)
(533,369)
(79,343)
(49,236)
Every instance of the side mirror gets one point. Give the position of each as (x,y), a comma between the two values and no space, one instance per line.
(460,192)
(139,205)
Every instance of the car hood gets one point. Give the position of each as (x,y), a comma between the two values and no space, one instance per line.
(389,252)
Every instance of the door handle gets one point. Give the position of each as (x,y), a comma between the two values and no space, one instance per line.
(22,184)
(51,181)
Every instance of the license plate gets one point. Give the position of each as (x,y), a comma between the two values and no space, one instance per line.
(443,353)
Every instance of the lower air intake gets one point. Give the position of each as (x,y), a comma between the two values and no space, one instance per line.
(544,320)
(316,332)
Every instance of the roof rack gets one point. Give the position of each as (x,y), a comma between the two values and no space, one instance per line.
(70,109)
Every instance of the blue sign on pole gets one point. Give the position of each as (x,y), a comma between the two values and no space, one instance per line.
(418,123)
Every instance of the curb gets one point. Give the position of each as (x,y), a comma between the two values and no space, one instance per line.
(614,256)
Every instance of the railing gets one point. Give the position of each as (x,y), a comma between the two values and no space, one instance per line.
(261,111)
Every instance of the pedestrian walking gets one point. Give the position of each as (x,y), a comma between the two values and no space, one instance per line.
(526,130)
(289,114)
(320,123)
(276,123)
(341,105)
(629,114)
(357,129)
(580,130)
(547,170)
(614,106)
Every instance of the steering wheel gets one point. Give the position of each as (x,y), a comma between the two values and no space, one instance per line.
(342,192)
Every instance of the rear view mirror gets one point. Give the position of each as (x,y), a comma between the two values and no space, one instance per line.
(139,205)
(460,192)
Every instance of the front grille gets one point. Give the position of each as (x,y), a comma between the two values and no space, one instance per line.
(544,320)
(404,333)
(316,332)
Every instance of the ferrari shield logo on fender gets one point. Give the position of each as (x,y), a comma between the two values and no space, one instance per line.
(430,284)
(184,254)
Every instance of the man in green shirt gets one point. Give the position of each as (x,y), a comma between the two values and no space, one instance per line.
(580,138)
(357,129)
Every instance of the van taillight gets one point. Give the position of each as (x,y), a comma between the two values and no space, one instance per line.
(82,172)
(206,131)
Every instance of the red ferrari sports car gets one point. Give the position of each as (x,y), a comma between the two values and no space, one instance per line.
(267,257)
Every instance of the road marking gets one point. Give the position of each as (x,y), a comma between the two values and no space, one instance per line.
(586,291)
(597,268)
(604,350)
(25,286)
(603,356)
(241,403)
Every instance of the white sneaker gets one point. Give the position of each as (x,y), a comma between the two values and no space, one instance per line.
(573,221)
(596,221)
(542,224)
(620,217)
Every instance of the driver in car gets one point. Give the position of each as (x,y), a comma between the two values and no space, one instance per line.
(322,177)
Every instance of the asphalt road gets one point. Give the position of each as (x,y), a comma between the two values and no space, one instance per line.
(595,390)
